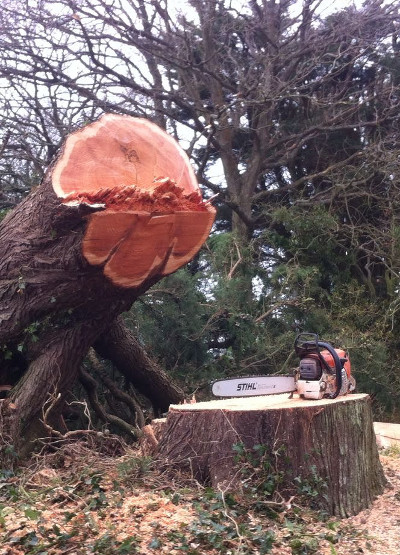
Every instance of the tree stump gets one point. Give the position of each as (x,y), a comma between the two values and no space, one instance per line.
(329,444)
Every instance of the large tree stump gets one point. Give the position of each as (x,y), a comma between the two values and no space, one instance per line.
(330,439)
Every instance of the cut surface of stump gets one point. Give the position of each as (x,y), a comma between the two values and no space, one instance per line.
(328,445)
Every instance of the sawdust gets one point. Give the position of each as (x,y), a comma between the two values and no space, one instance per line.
(374,530)
(377,529)
(115,505)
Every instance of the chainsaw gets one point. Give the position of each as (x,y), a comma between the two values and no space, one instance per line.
(323,372)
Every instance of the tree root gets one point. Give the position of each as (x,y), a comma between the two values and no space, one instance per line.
(119,345)
(132,403)
(90,385)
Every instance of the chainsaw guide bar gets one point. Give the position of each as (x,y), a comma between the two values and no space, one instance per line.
(248,386)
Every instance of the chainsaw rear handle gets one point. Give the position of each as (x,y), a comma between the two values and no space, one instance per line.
(303,345)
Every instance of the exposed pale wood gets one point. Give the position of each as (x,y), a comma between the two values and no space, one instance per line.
(106,223)
(118,151)
(334,437)
(97,246)
(152,433)
(148,217)
(387,434)
(264,402)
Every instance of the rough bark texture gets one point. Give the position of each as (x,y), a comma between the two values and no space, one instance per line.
(332,440)
(119,345)
(55,302)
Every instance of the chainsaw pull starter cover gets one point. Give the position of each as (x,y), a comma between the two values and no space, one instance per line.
(310,368)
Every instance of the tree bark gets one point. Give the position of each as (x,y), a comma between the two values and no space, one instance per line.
(53,304)
(69,266)
(328,445)
(119,345)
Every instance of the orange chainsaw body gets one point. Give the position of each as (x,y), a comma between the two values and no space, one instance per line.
(326,355)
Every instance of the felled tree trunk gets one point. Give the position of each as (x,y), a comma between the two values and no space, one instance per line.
(118,209)
(325,448)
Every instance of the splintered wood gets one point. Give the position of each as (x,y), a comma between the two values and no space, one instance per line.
(148,217)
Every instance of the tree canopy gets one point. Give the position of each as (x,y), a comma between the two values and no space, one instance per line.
(290,114)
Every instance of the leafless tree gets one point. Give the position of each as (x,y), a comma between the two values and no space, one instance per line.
(253,89)
(278,105)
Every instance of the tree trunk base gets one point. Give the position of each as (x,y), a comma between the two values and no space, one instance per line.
(325,448)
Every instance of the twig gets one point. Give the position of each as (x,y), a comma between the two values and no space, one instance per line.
(275,307)
(129,400)
(227,515)
(238,261)
(51,403)
(211,199)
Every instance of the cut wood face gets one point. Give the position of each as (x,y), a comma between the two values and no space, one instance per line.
(265,402)
(153,219)
(120,150)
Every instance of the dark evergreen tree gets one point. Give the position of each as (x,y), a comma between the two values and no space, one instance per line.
(289,116)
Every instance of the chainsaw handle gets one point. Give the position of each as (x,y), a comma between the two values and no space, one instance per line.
(303,345)
(338,367)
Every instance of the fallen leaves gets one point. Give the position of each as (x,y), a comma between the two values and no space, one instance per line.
(79,501)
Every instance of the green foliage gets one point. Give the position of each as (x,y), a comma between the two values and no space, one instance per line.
(311,487)
(310,232)
(58,516)
(265,476)
(393,451)
(108,545)
(302,546)
(260,471)
(3,213)
(169,320)
(90,486)
(222,521)
(307,232)
(33,545)
(133,468)
(216,328)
